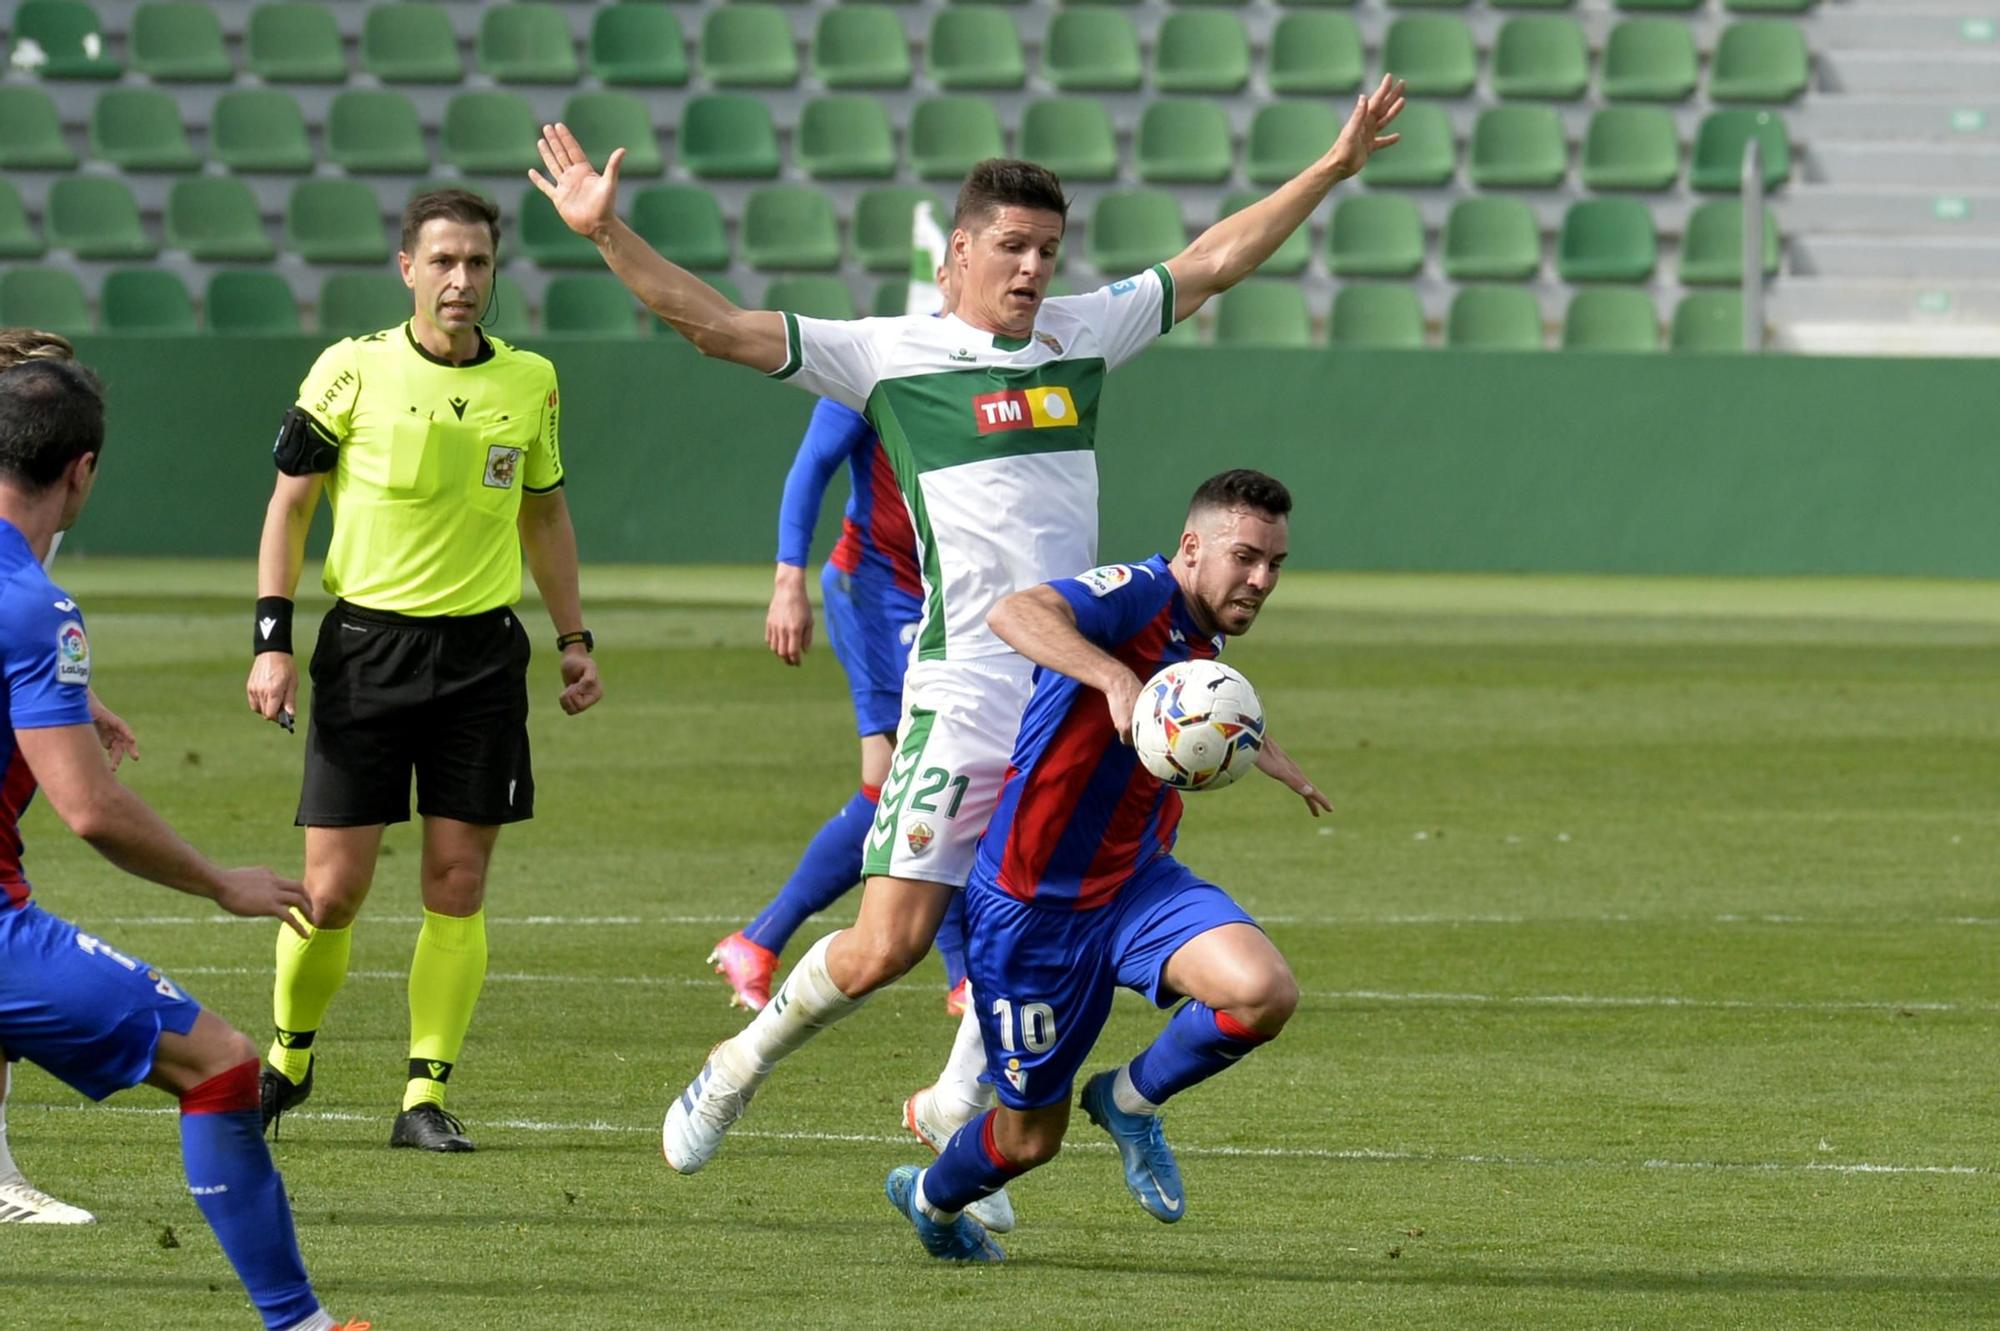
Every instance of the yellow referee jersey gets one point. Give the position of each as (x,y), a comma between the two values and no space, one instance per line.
(433,460)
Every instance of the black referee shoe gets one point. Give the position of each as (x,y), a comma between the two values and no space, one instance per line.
(277,1093)
(429,1128)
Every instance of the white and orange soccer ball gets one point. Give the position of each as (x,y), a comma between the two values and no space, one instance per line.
(1198,725)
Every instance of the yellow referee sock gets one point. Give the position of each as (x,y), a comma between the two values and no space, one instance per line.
(310,972)
(446,974)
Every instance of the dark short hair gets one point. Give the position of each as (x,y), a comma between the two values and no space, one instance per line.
(51,414)
(19,344)
(1002,182)
(453,205)
(1242,487)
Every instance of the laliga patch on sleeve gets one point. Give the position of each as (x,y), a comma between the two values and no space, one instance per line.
(72,654)
(1106,580)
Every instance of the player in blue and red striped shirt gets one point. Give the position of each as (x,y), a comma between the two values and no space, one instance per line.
(1075,891)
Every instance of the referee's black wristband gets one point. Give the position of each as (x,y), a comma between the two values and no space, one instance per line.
(273,631)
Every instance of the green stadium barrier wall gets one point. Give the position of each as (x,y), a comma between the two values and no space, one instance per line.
(1431,460)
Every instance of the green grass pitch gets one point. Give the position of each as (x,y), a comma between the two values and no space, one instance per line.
(1649,966)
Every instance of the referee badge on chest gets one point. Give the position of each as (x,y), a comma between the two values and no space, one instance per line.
(501,464)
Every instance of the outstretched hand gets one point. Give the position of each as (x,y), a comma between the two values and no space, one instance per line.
(586,199)
(1275,763)
(1362,136)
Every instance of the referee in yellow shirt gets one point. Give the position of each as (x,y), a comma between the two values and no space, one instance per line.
(437,446)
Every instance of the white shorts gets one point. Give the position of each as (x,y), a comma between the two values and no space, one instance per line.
(957,733)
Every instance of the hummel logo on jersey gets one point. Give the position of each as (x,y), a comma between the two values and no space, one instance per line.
(1024,409)
(963,355)
(265,625)
(458,406)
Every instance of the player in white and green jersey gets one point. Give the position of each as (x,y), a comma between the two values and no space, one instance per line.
(989,417)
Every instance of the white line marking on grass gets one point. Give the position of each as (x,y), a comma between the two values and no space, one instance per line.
(576,921)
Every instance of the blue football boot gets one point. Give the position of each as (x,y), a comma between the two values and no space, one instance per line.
(963,1240)
(1150,1169)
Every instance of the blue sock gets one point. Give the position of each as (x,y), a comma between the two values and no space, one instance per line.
(969,1167)
(239,1192)
(1197,1043)
(951,940)
(830,866)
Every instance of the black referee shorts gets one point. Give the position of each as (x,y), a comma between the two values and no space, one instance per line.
(444,697)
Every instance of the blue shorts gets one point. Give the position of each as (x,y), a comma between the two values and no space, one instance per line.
(80,1008)
(1044,975)
(871,626)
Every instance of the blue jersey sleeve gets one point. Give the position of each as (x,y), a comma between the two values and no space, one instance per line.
(831,438)
(1113,602)
(47,658)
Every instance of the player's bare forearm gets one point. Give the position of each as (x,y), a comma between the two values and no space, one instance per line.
(548,539)
(281,549)
(693,308)
(119,825)
(1274,762)
(1039,624)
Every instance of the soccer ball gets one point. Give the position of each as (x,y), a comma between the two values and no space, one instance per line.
(1198,725)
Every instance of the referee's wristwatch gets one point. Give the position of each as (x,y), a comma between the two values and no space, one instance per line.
(566,640)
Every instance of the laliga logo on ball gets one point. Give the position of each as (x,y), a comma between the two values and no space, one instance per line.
(1198,725)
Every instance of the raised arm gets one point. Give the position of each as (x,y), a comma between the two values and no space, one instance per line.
(588,201)
(1039,624)
(1233,248)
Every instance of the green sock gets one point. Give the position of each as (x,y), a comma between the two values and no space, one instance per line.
(310,973)
(445,978)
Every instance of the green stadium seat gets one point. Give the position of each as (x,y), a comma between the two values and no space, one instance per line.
(1611,319)
(595,304)
(249,301)
(491,133)
(1183,141)
(50,298)
(410,43)
(1531,4)
(1432,53)
(1518,147)
(60,39)
(1490,237)
(526,43)
(1541,55)
(215,219)
(1287,137)
(507,314)
(335,221)
(31,136)
(1091,48)
(179,43)
(1768,6)
(1319,4)
(259,129)
(1712,245)
(617,120)
(145,300)
(1759,60)
(1313,53)
(1649,60)
(816,296)
(1708,321)
(1376,314)
(729,135)
(684,223)
(1494,319)
(1718,150)
(1428,4)
(1130,230)
(18,237)
(1427,155)
(638,46)
(975,49)
(1375,235)
(1291,257)
(790,226)
(139,129)
(949,134)
(892,298)
(1661,4)
(354,303)
(845,138)
(1631,147)
(546,238)
(748,45)
(294,43)
(883,222)
(861,46)
(1071,136)
(1607,240)
(1263,312)
(96,217)
(375,131)
(1201,51)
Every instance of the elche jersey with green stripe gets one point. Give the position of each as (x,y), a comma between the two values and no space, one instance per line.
(992,438)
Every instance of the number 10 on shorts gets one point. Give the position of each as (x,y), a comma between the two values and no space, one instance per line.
(1037,1026)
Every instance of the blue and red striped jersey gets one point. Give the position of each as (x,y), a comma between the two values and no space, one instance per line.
(876,537)
(1078,814)
(45,659)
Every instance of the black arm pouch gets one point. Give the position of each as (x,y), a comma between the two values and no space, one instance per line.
(304,448)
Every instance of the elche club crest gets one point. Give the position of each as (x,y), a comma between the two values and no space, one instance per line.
(919,836)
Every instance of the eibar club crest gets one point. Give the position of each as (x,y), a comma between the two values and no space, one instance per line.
(920,836)
(1016,1077)
(501,464)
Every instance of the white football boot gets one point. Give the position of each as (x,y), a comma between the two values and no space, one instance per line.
(699,1117)
(920,1116)
(21,1203)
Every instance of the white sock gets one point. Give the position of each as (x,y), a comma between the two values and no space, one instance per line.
(7,1166)
(806,1004)
(959,1095)
(1126,1096)
(319,1321)
(924,1203)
